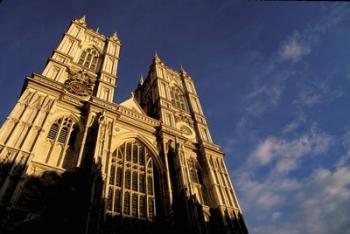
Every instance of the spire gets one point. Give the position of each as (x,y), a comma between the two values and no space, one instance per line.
(114,37)
(98,28)
(182,71)
(156,58)
(82,20)
(141,80)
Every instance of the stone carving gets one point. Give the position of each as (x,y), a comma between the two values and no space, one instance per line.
(79,83)
(185,130)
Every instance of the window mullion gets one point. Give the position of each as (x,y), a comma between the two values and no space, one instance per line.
(65,145)
(138,181)
(123,181)
(146,185)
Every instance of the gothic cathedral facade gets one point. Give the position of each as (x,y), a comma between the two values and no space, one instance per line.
(146,165)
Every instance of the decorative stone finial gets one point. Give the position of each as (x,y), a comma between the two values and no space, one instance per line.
(82,20)
(141,80)
(182,70)
(114,37)
(156,58)
(132,94)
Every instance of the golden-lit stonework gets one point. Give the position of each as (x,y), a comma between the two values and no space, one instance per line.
(73,161)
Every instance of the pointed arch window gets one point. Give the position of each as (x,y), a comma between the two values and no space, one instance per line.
(62,129)
(178,99)
(63,132)
(133,160)
(193,170)
(89,58)
(53,131)
(63,135)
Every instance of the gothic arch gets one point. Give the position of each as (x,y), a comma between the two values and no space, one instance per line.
(197,177)
(178,98)
(89,58)
(58,114)
(136,185)
(86,45)
(155,153)
(58,144)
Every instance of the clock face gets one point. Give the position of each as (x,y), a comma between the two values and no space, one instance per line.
(79,85)
(77,88)
(186,130)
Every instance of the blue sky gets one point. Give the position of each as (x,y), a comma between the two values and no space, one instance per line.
(272,77)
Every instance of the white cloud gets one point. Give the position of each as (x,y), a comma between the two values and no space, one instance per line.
(311,94)
(315,203)
(294,49)
(268,199)
(287,152)
(314,198)
(325,204)
(263,195)
(295,124)
(263,97)
(276,215)
(291,126)
(345,158)
(320,204)
(279,156)
(286,165)
(337,14)
(272,76)
(299,45)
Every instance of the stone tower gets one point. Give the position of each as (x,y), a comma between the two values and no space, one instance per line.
(146,165)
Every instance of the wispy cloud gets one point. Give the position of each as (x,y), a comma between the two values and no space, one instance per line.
(345,158)
(295,124)
(275,71)
(324,201)
(300,44)
(287,183)
(285,153)
(312,93)
(318,204)
(294,48)
(276,215)
(316,201)
(263,97)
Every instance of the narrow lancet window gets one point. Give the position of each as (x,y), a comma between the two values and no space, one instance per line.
(53,131)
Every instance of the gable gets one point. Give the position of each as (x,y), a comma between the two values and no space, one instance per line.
(132,104)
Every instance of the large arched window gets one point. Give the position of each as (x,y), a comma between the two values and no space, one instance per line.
(131,191)
(178,99)
(63,133)
(61,129)
(89,58)
(195,176)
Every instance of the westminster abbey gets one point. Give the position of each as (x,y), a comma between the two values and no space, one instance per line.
(73,161)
